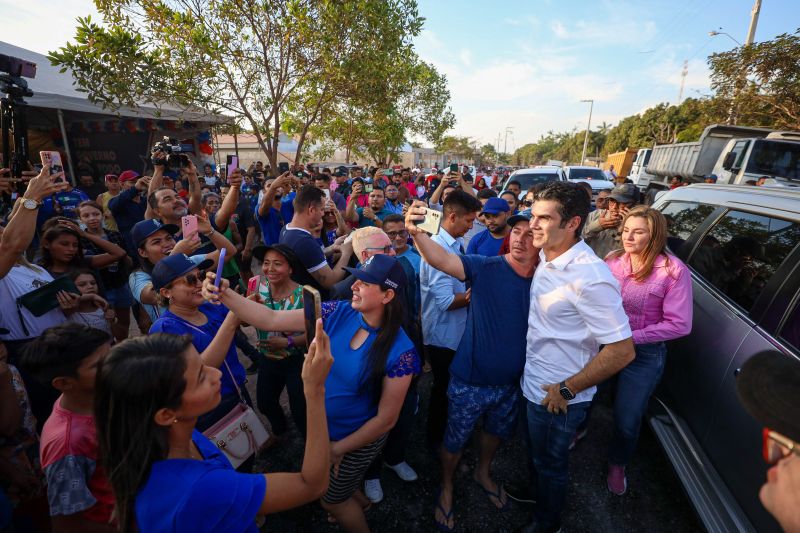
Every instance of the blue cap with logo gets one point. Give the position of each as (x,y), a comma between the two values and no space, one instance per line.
(174,266)
(495,206)
(145,228)
(383,270)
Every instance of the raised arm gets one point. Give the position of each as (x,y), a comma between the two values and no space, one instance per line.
(351,212)
(437,194)
(252,312)
(19,232)
(217,239)
(327,276)
(288,490)
(228,207)
(217,350)
(432,253)
(195,202)
(269,194)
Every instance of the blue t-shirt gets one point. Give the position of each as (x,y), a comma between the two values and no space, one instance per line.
(364,222)
(202,337)
(186,495)
(413,257)
(492,349)
(347,405)
(484,243)
(270,226)
(310,254)
(287,206)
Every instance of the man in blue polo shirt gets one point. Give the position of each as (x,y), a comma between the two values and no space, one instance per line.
(371,215)
(488,242)
(486,369)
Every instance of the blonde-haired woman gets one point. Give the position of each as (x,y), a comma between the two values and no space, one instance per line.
(657,297)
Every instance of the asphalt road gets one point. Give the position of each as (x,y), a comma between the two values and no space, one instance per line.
(655,501)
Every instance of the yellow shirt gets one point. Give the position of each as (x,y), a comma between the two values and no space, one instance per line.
(109,222)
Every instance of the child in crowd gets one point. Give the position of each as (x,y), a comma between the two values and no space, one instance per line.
(90,312)
(78,491)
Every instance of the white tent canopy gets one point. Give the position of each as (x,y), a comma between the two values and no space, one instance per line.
(54,90)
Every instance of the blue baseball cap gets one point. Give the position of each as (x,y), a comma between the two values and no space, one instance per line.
(383,270)
(174,266)
(145,228)
(524,215)
(495,206)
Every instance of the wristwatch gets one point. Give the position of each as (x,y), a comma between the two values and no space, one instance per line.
(28,203)
(565,392)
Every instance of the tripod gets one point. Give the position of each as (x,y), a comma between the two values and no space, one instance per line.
(13,123)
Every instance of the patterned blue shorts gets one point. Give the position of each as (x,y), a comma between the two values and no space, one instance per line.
(467,403)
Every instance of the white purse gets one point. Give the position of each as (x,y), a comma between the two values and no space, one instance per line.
(239,434)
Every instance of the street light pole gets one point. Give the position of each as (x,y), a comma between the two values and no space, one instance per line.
(505,143)
(751,31)
(588,125)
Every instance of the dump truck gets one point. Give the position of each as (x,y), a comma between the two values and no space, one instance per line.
(734,154)
(622,161)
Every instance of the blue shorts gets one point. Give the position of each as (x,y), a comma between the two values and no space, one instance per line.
(467,403)
(119,297)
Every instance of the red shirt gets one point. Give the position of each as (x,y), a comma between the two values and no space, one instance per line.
(76,482)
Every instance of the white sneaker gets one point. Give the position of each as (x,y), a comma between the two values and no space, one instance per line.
(373,490)
(404,471)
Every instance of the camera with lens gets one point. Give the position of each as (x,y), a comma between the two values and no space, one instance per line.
(175,158)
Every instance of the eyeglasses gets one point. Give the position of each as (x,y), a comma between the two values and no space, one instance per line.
(776,446)
(386,249)
(527,203)
(395,234)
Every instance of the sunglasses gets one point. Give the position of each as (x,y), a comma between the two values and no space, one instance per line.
(395,234)
(386,249)
(776,446)
(193,279)
(527,203)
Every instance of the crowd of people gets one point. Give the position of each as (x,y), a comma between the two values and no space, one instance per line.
(520,306)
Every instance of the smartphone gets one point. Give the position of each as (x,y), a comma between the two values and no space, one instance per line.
(189,226)
(431,222)
(231,164)
(368,188)
(283,167)
(312,310)
(220,266)
(299,174)
(454,167)
(252,285)
(54,160)
(388,172)
(327,193)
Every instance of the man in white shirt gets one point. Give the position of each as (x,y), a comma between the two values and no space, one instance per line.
(576,306)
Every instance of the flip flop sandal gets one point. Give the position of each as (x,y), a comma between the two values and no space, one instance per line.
(496,495)
(447,516)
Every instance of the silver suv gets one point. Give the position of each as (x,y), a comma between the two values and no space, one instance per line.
(742,245)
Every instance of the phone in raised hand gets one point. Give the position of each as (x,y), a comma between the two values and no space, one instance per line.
(189,226)
(220,266)
(231,164)
(53,159)
(312,310)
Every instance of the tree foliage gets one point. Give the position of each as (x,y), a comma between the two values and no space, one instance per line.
(761,81)
(275,65)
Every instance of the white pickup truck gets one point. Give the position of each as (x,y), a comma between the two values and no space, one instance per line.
(734,154)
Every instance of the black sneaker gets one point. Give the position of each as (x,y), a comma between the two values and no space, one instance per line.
(520,493)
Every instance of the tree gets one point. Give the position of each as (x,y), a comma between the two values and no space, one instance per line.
(453,146)
(760,82)
(276,66)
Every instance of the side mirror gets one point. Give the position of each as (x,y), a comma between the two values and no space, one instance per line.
(727,163)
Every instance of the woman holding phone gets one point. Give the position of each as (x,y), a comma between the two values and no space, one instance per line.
(166,475)
(374,363)
(176,280)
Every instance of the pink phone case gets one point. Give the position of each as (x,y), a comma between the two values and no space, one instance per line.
(189,226)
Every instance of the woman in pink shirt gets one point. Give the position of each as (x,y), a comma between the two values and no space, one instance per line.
(657,296)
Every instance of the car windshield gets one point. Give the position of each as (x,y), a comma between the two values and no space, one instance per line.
(775,159)
(586,174)
(529,179)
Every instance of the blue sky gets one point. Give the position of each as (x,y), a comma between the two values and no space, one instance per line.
(527,63)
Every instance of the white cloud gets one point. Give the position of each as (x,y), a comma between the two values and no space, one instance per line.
(43,26)
(466,57)
(559,29)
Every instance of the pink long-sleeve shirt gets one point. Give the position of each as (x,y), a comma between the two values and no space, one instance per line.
(660,307)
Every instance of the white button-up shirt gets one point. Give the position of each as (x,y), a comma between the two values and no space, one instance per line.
(575,307)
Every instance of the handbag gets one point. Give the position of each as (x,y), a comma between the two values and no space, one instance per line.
(239,434)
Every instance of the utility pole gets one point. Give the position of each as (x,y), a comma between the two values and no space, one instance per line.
(505,144)
(751,31)
(684,72)
(588,125)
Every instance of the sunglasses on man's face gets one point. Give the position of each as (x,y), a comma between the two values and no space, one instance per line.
(395,234)
(776,446)
(527,203)
(386,249)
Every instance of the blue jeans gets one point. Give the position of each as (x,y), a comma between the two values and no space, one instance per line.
(550,435)
(635,383)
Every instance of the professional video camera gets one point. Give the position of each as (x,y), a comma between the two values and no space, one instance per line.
(175,158)
(12,111)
